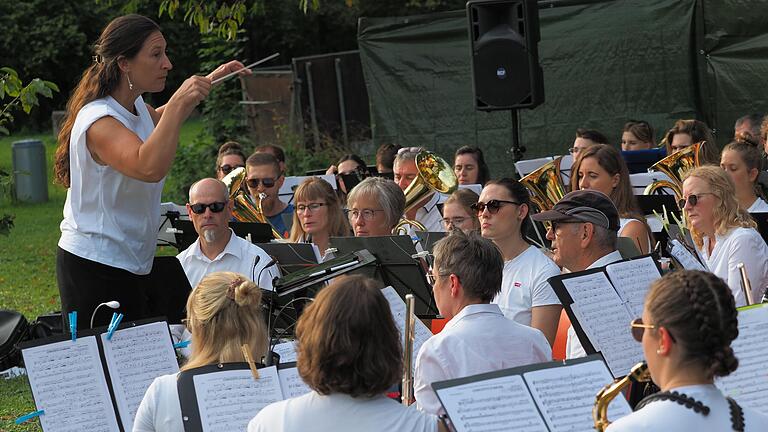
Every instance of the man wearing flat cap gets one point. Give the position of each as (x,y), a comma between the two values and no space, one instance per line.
(584,227)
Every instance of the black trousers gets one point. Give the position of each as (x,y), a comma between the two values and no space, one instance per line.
(83,284)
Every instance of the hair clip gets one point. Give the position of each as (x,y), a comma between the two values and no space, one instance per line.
(232,285)
(73,325)
(29,416)
(97,58)
(113,326)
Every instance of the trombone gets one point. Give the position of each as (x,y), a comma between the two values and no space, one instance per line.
(409,337)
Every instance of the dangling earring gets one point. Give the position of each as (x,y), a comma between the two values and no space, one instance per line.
(130,84)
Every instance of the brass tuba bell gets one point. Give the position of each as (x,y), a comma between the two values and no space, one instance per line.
(676,166)
(243,208)
(435,175)
(545,185)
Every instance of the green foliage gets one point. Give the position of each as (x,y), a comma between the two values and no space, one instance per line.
(11,86)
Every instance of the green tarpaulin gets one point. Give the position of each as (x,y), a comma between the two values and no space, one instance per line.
(604,62)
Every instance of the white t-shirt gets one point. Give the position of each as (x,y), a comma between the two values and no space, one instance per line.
(160,410)
(524,285)
(109,217)
(340,413)
(739,245)
(478,339)
(759,206)
(239,256)
(671,416)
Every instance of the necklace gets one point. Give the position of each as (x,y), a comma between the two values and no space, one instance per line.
(737,414)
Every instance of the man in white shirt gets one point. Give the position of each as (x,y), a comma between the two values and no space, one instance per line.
(477,338)
(217,247)
(405,172)
(584,228)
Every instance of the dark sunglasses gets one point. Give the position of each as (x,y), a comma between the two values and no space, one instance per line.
(254,182)
(493,206)
(638,328)
(692,199)
(215,207)
(226,168)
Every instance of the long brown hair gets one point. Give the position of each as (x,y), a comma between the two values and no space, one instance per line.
(698,131)
(315,188)
(122,38)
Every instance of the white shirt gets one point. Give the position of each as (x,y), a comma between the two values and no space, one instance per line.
(340,413)
(759,206)
(478,339)
(573,347)
(160,410)
(671,416)
(239,256)
(430,216)
(739,245)
(109,217)
(524,285)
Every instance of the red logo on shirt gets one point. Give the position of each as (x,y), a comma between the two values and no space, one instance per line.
(518,284)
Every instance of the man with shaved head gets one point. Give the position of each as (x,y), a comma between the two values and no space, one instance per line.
(217,248)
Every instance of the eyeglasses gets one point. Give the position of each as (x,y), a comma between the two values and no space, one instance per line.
(692,199)
(227,168)
(493,206)
(301,208)
(367,214)
(454,221)
(199,208)
(432,279)
(410,150)
(638,328)
(254,182)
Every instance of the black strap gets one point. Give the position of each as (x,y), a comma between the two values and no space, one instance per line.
(737,413)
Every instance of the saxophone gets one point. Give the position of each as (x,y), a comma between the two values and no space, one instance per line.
(639,373)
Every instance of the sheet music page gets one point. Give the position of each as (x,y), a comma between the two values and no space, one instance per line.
(565,395)
(748,384)
(632,279)
(228,400)
(497,404)
(135,357)
(397,306)
(605,320)
(287,351)
(684,256)
(68,382)
(291,383)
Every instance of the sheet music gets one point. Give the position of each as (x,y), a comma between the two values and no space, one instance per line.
(605,320)
(748,385)
(397,306)
(135,357)
(565,395)
(68,382)
(684,256)
(291,383)
(497,404)
(287,351)
(632,279)
(228,400)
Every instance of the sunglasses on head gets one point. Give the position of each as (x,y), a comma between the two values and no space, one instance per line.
(199,208)
(227,168)
(692,199)
(254,182)
(638,328)
(493,206)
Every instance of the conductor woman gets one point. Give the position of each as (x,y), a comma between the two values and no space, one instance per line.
(113,155)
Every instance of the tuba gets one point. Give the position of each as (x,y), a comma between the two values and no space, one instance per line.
(545,184)
(639,373)
(676,166)
(435,175)
(243,208)
(409,336)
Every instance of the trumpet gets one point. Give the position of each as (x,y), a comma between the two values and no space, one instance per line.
(244,209)
(639,373)
(409,337)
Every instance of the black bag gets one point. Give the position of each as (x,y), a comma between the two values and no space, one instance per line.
(13,329)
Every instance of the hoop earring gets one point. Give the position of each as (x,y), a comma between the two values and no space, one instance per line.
(130,84)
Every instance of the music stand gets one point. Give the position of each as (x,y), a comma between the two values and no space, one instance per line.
(292,257)
(638,161)
(395,267)
(428,239)
(260,232)
(650,203)
(314,276)
(167,290)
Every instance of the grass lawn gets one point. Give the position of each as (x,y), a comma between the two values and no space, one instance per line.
(27,266)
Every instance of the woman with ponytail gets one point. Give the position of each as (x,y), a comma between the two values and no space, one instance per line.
(113,155)
(688,324)
(223,314)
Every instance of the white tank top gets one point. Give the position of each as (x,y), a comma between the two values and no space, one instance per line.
(109,217)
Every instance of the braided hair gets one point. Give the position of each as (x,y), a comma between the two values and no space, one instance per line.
(699,310)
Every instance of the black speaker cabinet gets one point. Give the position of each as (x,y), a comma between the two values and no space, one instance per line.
(504,37)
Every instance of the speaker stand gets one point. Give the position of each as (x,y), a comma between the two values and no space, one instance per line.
(517,150)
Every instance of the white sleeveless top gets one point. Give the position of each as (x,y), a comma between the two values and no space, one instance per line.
(623,224)
(109,217)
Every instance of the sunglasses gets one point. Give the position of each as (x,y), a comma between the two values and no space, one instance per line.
(493,206)
(227,168)
(254,182)
(637,327)
(199,208)
(692,199)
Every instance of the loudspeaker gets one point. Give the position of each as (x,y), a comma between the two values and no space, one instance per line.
(504,36)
